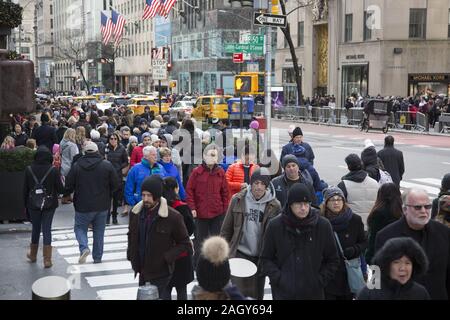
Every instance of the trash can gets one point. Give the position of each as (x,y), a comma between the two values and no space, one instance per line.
(51,288)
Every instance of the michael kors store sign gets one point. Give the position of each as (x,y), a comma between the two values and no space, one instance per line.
(429,77)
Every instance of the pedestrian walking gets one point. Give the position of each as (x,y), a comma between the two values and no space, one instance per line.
(157,235)
(42,185)
(392,159)
(93,181)
(401,261)
(245,224)
(299,252)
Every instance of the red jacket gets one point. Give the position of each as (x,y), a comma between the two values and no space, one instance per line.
(235,177)
(136,155)
(207,192)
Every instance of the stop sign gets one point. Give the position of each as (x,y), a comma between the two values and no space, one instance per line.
(238,57)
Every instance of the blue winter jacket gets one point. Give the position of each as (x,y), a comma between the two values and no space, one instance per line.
(135,178)
(172,171)
(290,149)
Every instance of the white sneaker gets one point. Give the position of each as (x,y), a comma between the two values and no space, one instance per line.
(83,256)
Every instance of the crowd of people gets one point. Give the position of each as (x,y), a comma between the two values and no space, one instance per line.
(175,180)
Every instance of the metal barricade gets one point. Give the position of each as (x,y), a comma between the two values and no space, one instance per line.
(405,120)
(444,123)
(422,123)
(355,115)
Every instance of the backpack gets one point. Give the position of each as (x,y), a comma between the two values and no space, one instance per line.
(40,198)
(385,177)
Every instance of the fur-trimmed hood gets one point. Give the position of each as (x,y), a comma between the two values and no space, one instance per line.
(163,210)
(396,248)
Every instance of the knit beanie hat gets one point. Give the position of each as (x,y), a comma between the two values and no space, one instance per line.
(331,192)
(353,162)
(213,268)
(445,183)
(297,132)
(299,193)
(288,159)
(154,185)
(262,175)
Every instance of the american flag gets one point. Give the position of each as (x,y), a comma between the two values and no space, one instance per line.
(107,28)
(152,7)
(166,6)
(119,23)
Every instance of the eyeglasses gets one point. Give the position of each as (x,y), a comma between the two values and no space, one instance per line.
(336,200)
(418,207)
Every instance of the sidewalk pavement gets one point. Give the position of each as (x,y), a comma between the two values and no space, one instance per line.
(63,219)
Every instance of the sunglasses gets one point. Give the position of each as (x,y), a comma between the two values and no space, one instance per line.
(418,207)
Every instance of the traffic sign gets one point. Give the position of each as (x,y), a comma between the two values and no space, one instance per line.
(244,48)
(257,39)
(238,57)
(159,69)
(265,19)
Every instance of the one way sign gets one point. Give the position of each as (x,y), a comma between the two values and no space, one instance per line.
(266,19)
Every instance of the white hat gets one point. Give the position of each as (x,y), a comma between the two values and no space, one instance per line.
(291,129)
(215,120)
(90,146)
(154,138)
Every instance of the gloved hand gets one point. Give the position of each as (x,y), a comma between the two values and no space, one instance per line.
(349,252)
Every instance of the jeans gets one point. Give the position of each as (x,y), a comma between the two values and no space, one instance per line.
(98,220)
(117,200)
(41,219)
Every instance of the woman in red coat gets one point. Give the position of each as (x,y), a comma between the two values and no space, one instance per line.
(207,197)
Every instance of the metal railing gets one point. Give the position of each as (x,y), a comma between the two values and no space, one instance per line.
(406,120)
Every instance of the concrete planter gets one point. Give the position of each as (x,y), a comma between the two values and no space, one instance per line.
(11,199)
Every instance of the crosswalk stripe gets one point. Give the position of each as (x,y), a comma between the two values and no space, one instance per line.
(347,148)
(430,190)
(431,181)
(107,247)
(112,280)
(106,257)
(118,294)
(105,266)
(107,239)
(65,230)
(71,235)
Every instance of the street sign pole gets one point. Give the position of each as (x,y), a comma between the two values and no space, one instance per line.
(159,83)
(268,98)
(241,121)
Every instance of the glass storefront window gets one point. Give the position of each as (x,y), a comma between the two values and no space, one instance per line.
(355,80)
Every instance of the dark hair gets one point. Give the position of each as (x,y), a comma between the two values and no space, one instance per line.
(388,197)
(188,125)
(389,141)
(169,185)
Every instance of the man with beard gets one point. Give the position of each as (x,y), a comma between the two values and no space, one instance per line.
(157,236)
(432,236)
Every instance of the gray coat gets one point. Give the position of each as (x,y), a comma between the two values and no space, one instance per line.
(68,151)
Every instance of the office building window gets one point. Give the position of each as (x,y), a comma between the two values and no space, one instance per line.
(51,9)
(449,23)
(301,34)
(51,23)
(348,27)
(417,23)
(367,21)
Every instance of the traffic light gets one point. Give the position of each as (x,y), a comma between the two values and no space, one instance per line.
(275,8)
(169,66)
(243,84)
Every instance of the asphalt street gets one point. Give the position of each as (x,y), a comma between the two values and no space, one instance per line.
(427,159)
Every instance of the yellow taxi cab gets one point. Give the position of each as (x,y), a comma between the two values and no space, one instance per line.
(102,97)
(137,105)
(209,107)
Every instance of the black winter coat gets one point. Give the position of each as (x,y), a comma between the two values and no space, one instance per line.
(353,241)
(52,183)
(393,163)
(379,219)
(299,264)
(393,290)
(93,180)
(45,135)
(281,187)
(20,140)
(118,158)
(436,244)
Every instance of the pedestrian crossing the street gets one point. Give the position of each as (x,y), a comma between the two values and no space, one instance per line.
(113,279)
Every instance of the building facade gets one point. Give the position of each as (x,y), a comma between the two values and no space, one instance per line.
(133,71)
(45,50)
(22,39)
(200,30)
(368,47)
(77,45)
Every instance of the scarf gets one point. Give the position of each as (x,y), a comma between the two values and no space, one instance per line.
(340,220)
(306,223)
